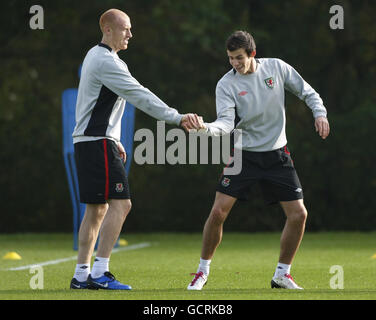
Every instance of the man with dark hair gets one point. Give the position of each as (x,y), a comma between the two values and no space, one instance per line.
(241,39)
(251,97)
(105,85)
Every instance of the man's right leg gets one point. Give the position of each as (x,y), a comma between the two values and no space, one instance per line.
(213,229)
(212,237)
(89,229)
(87,236)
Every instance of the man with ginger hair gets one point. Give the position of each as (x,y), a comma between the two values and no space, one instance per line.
(105,86)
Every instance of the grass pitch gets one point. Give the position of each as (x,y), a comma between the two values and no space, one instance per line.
(241,269)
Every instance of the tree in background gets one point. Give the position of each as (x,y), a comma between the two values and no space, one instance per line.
(178,52)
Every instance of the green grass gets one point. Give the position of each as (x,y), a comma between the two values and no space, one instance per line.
(241,269)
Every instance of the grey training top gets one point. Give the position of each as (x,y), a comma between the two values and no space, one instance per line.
(105,86)
(255,103)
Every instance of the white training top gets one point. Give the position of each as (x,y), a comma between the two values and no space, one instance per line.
(105,86)
(255,103)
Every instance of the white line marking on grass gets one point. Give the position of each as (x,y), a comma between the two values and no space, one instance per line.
(57,261)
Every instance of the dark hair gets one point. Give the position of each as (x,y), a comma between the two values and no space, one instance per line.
(241,39)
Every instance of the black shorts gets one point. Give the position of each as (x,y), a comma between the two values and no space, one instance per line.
(273,170)
(101,172)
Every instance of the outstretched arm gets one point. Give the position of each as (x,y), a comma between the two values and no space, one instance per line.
(225,107)
(115,76)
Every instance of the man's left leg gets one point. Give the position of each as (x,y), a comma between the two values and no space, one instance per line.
(292,234)
(112,225)
(100,277)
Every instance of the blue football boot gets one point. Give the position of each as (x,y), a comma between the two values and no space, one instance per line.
(75,284)
(107,282)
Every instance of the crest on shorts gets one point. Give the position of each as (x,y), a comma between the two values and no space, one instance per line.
(226,182)
(270,82)
(119,187)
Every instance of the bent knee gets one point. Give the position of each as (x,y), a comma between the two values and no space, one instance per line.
(126,207)
(299,214)
(96,211)
(218,215)
(122,206)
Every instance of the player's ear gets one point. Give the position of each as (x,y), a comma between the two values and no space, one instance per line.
(253,53)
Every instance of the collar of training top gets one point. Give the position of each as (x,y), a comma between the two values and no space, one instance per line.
(104,46)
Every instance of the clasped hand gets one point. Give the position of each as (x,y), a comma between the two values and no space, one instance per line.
(191,122)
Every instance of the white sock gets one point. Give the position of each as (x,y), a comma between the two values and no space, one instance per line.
(82,271)
(282,269)
(100,266)
(204,266)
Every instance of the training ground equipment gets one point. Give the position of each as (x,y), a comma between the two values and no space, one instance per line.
(69,98)
(12,256)
(123,242)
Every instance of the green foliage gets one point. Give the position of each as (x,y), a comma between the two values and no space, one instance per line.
(178,53)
